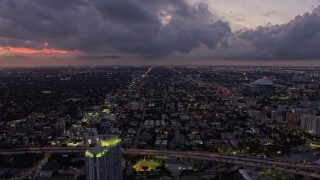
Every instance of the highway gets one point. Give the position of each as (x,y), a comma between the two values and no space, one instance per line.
(302,169)
(311,170)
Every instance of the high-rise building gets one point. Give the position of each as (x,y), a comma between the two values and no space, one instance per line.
(103,161)
(60,125)
(310,124)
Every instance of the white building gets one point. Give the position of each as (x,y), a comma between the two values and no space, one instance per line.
(103,161)
(311,124)
(263,82)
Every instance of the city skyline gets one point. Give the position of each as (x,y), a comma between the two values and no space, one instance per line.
(184,32)
(160,122)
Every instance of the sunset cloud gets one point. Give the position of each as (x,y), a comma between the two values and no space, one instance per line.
(22,50)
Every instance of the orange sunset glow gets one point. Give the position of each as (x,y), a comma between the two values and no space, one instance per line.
(22,50)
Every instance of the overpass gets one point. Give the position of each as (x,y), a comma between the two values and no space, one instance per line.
(265,163)
(311,170)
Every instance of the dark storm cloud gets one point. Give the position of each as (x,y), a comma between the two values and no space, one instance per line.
(28,20)
(298,39)
(124,10)
(110,26)
(134,27)
(317,9)
(62,5)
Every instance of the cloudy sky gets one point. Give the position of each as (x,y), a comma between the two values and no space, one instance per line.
(107,32)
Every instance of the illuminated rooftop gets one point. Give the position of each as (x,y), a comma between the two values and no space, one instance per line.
(105,142)
(96,152)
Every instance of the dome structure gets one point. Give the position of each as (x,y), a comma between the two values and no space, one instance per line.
(263,82)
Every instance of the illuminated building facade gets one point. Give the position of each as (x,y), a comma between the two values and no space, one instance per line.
(103,161)
(311,124)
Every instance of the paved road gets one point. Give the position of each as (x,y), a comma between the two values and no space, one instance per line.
(137,136)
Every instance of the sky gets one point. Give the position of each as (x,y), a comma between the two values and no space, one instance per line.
(165,32)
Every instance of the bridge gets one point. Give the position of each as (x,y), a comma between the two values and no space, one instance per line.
(310,170)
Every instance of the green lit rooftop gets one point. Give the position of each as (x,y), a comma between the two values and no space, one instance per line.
(98,151)
(110,142)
